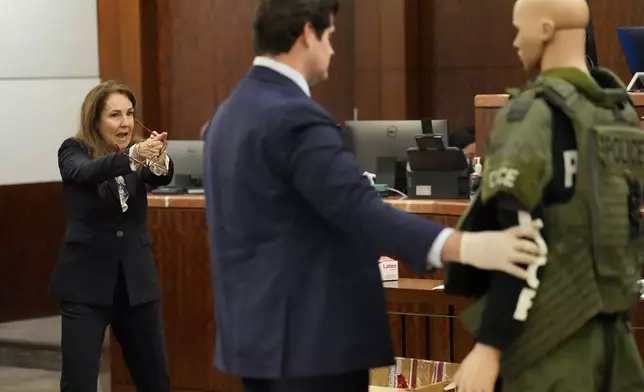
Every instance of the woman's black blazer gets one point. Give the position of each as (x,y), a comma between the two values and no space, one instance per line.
(100,239)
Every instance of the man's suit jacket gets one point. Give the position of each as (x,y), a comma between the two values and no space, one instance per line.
(295,236)
(99,235)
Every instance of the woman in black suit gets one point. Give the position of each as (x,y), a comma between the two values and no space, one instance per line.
(106,274)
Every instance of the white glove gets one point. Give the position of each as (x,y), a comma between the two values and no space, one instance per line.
(502,250)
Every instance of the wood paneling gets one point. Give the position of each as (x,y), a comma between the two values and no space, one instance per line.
(33,225)
(424,322)
(483,120)
(386,58)
(205,47)
(150,107)
(119,43)
(337,94)
(606,19)
(394,59)
(183,58)
(127,47)
(467,50)
(420,329)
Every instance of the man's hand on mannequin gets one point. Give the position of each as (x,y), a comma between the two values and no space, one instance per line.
(499,250)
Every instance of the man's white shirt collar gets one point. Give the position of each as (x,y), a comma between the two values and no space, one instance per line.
(285,70)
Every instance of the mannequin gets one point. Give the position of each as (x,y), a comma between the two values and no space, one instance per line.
(553,157)
(551,34)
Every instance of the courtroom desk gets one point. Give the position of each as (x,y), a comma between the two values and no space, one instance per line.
(445,212)
(424,321)
(177,225)
(448,208)
(486,107)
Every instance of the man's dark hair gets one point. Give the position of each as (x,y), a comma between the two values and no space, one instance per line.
(278,23)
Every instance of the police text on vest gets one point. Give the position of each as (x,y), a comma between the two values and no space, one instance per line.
(570,167)
(502,177)
(527,295)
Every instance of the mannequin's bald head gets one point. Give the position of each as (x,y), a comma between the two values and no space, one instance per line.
(538,21)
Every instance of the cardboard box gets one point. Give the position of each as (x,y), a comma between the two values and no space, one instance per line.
(388,268)
(413,375)
(440,387)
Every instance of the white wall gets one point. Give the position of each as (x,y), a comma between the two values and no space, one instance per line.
(48,62)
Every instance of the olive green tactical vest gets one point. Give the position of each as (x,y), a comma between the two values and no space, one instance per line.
(593,252)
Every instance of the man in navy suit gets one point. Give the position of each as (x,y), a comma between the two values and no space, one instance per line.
(296,229)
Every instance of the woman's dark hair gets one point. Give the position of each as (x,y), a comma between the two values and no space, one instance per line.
(278,23)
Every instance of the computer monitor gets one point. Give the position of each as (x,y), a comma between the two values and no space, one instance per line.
(370,140)
(187,156)
(632,40)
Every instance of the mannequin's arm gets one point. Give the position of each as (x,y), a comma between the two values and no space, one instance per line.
(506,310)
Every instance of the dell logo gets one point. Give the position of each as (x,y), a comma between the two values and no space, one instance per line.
(392,132)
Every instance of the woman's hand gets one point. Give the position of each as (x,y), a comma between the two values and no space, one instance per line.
(150,148)
(162,137)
